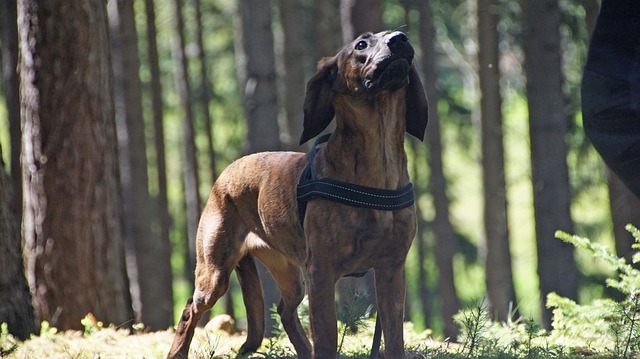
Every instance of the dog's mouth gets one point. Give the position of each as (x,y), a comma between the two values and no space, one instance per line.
(391,74)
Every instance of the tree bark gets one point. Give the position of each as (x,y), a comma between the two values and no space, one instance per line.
(163,218)
(548,127)
(9,30)
(256,69)
(73,221)
(422,247)
(327,29)
(499,278)
(359,16)
(190,164)
(153,267)
(445,247)
(15,300)
(293,42)
(205,91)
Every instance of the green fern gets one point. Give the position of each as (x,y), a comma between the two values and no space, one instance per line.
(606,323)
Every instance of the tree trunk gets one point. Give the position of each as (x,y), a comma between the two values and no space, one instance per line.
(359,16)
(499,279)
(293,42)
(73,222)
(153,270)
(205,91)
(163,219)
(445,247)
(9,30)
(327,29)
(190,164)
(425,293)
(548,128)
(15,299)
(256,69)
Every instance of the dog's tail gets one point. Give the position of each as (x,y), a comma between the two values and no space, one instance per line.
(253,302)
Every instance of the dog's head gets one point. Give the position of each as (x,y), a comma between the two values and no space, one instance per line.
(371,64)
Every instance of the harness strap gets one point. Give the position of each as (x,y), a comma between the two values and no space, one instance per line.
(350,194)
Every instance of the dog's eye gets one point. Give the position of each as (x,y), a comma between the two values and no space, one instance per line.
(361,45)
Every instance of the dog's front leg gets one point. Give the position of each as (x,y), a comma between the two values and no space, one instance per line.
(322,311)
(390,292)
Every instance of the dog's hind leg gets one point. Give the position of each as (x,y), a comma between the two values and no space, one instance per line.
(219,243)
(253,302)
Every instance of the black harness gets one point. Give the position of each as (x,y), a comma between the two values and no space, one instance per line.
(310,186)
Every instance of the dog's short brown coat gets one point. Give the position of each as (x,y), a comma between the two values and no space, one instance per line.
(372,90)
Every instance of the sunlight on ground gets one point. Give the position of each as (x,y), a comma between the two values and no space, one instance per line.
(112,343)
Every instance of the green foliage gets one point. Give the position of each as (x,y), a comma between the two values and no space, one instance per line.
(605,323)
(274,349)
(353,313)
(90,324)
(473,323)
(47,330)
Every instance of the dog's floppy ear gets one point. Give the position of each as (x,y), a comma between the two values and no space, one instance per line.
(417,107)
(318,106)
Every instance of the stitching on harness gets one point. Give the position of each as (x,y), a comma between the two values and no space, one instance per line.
(398,205)
(409,188)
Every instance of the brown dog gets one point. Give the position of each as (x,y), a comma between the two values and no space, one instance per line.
(375,95)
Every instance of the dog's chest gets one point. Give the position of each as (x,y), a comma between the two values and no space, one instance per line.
(357,237)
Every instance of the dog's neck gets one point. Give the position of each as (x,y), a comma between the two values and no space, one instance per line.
(367,147)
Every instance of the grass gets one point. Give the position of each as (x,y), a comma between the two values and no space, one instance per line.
(493,341)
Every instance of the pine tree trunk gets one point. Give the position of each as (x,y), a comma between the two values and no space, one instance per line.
(153,270)
(163,219)
(548,128)
(256,69)
(9,30)
(499,278)
(293,42)
(190,163)
(422,247)
(445,247)
(73,221)
(359,16)
(327,29)
(15,299)
(205,91)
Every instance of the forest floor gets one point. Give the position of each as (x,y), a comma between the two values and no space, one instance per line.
(103,343)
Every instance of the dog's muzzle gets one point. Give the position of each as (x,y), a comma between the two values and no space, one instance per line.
(392,70)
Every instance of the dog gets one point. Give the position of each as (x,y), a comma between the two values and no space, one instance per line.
(373,91)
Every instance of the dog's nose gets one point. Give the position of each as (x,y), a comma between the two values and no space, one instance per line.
(396,41)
